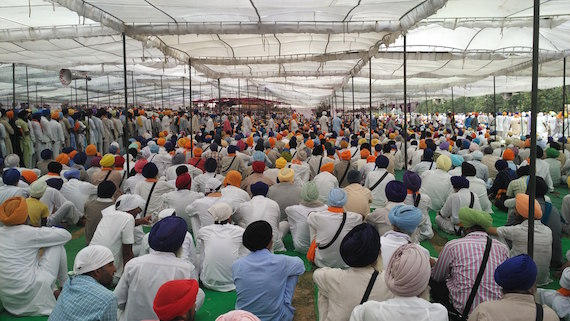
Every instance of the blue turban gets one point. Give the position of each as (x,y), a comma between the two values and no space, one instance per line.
(67,150)
(45,112)
(337,197)
(169,146)
(361,246)
(396,191)
(477,141)
(501,164)
(56,183)
(412,181)
(354,176)
(232,149)
(465,144)
(459,182)
(11,176)
(72,173)
(214,147)
(150,170)
(382,161)
(354,143)
(257,156)
(154,149)
(80,158)
(46,154)
(405,217)
(516,274)
(168,234)
(456,160)
(444,146)
(113,149)
(428,154)
(259,188)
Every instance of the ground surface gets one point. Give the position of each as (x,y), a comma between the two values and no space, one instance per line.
(305,295)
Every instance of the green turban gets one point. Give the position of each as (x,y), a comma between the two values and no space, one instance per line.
(552,153)
(470,217)
(310,192)
(287,156)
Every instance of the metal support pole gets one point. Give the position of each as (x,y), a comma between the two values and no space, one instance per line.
(126,134)
(239,97)
(452,110)
(405,107)
(183,94)
(109,90)
(36,100)
(76,100)
(343,101)
(14,86)
(161,93)
(191,107)
(495,105)
(134,90)
(27,88)
(87,92)
(370,97)
(531,189)
(564,104)
(427,107)
(352,101)
(220,97)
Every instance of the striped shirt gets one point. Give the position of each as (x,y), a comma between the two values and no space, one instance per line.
(517,186)
(459,263)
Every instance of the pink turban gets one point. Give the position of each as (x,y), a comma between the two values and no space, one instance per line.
(409,271)
(238,315)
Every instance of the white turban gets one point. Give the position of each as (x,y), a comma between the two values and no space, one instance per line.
(409,271)
(565,279)
(91,258)
(220,211)
(213,185)
(129,202)
(238,315)
(165,213)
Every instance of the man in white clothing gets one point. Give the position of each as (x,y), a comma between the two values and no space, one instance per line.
(145,274)
(76,191)
(152,189)
(219,244)
(477,186)
(182,197)
(326,181)
(262,208)
(199,184)
(198,210)
(27,278)
(436,183)
(448,217)
(232,192)
(376,181)
(542,168)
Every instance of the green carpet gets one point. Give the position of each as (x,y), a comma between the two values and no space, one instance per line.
(217,303)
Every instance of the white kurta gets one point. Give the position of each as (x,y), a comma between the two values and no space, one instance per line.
(155,205)
(325,182)
(379,192)
(479,188)
(198,212)
(234,196)
(401,309)
(219,247)
(437,185)
(297,218)
(188,253)
(26,279)
(262,208)
(199,183)
(78,193)
(179,200)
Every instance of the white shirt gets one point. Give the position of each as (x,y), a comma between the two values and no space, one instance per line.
(401,309)
(234,196)
(198,212)
(115,229)
(425,230)
(314,163)
(155,205)
(271,173)
(188,252)
(479,187)
(542,170)
(26,289)
(219,246)
(179,200)
(323,226)
(78,193)
(199,183)
(559,303)
(423,166)
(131,183)
(297,218)
(437,185)
(456,201)
(390,242)
(170,172)
(379,192)
(262,208)
(142,278)
(325,182)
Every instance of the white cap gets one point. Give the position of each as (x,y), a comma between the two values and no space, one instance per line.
(565,278)
(165,213)
(213,185)
(220,211)
(91,258)
(129,202)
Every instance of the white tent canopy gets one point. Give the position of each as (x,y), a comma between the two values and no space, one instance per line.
(298,52)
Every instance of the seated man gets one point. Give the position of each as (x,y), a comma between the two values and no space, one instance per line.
(405,220)
(517,277)
(447,219)
(341,290)
(176,300)
(27,278)
(265,282)
(86,296)
(94,208)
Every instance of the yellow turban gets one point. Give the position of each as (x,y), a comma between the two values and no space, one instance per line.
(107,161)
(280,162)
(286,175)
(443,162)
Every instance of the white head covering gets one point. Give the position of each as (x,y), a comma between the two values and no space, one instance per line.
(91,258)
(165,213)
(213,185)
(565,278)
(220,211)
(129,202)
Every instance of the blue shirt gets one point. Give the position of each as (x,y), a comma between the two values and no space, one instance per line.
(265,284)
(336,124)
(83,298)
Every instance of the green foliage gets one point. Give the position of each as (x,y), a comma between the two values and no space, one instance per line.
(548,100)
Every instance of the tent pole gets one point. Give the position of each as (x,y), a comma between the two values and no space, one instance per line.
(335,103)
(133,84)
(248,101)
(191,107)
(495,105)
(370,97)
(36,101)
(161,94)
(126,135)
(220,97)
(353,101)
(239,97)
(183,93)
(14,86)
(563,104)
(27,88)
(531,189)
(109,90)
(343,100)
(405,108)
(76,102)
(87,92)
(452,111)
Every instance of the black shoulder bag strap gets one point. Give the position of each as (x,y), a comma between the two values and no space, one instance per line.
(417,199)
(148,198)
(539,312)
(430,165)
(472,200)
(123,179)
(369,287)
(295,153)
(356,151)
(336,234)
(475,287)
(379,181)
(345,171)
(320,164)
(230,166)
(107,176)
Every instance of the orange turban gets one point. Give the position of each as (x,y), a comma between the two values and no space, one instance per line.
(343,144)
(91,150)
(29,176)
(345,155)
(197,151)
(296,161)
(249,141)
(63,159)
(161,142)
(55,115)
(521,205)
(233,178)
(364,153)
(423,144)
(14,211)
(310,143)
(508,154)
(371,159)
(272,142)
(72,154)
(10,114)
(182,142)
(527,143)
(328,167)
(341,133)
(279,137)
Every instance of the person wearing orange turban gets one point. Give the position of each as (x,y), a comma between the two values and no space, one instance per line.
(91,150)
(233,178)
(29,176)
(63,159)
(342,168)
(328,167)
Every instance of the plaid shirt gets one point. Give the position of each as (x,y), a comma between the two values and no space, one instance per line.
(83,298)
(517,186)
(459,263)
